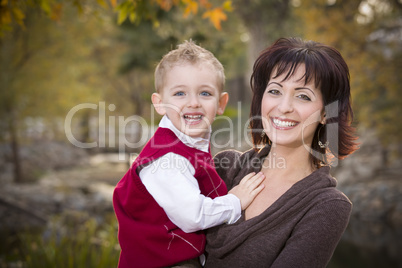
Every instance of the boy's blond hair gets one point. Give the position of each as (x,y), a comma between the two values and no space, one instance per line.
(188,52)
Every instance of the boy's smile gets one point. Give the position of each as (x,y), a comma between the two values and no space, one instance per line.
(193,119)
(191,98)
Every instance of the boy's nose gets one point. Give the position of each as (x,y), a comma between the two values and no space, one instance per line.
(194,101)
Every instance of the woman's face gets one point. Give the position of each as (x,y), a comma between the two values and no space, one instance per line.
(291,110)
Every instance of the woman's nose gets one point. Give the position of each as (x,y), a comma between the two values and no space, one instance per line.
(286,105)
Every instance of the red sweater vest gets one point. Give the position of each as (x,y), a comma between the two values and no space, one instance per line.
(146,235)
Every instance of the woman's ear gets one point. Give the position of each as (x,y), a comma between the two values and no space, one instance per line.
(158,104)
(323,119)
(223,100)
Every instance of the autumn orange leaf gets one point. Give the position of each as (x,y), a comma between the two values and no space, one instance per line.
(166,4)
(191,7)
(215,15)
(5,17)
(56,12)
(113,3)
(206,4)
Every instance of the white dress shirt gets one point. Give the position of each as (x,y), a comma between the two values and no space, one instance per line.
(171,182)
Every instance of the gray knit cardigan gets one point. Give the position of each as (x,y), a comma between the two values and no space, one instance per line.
(300,229)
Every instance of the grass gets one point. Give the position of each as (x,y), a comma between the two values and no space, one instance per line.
(70,241)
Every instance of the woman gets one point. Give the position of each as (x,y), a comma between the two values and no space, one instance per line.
(299,217)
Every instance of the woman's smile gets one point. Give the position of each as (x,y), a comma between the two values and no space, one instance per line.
(283,124)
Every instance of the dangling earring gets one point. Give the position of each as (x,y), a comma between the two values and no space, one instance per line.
(322,145)
(262,134)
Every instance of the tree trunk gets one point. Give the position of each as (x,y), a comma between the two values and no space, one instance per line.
(15,152)
(265,22)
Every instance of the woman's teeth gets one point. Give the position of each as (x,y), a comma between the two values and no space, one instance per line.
(281,123)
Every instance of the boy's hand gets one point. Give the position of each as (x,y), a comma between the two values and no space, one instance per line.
(248,188)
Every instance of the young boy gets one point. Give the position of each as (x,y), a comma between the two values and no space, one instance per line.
(172,191)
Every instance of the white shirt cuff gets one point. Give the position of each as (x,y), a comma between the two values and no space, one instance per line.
(236,208)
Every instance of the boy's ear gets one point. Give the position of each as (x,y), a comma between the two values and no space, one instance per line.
(157,102)
(223,100)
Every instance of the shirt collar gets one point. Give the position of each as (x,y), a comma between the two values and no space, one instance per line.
(198,143)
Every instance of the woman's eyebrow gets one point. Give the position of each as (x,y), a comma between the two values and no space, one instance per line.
(275,83)
(299,88)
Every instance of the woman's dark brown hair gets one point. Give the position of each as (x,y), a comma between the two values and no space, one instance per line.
(330,73)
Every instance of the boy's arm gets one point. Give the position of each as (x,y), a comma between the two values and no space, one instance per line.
(170,180)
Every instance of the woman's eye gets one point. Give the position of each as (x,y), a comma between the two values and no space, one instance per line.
(205,93)
(274,92)
(180,93)
(304,97)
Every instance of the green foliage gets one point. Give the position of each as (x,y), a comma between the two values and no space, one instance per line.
(47,68)
(147,44)
(14,12)
(230,112)
(78,242)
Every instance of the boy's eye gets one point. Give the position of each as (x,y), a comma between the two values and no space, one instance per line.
(205,93)
(180,93)
(304,97)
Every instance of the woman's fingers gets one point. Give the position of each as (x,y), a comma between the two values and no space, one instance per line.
(256,185)
(252,180)
(247,178)
(249,187)
(258,189)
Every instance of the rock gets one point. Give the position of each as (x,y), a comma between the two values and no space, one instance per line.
(86,189)
(372,181)
(41,156)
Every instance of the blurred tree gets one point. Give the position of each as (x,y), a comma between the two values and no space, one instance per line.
(44,72)
(131,78)
(368,34)
(17,49)
(265,21)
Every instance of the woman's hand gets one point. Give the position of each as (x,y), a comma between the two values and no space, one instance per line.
(248,188)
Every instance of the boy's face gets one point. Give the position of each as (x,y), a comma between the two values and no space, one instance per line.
(191,98)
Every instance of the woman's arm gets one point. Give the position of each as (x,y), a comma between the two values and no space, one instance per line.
(315,237)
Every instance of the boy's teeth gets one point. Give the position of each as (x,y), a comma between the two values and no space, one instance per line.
(193,117)
(281,123)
